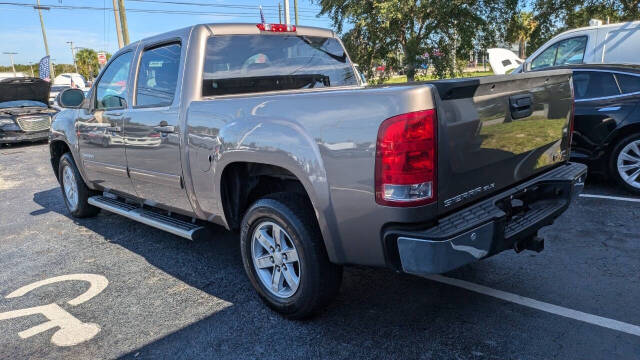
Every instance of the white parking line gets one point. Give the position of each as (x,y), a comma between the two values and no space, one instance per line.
(610,197)
(540,305)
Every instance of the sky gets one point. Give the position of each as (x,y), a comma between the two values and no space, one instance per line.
(95,28)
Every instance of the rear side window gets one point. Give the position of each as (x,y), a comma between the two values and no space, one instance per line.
(158,76)
(594,84)
(628,83)
(569,51)
(237,64)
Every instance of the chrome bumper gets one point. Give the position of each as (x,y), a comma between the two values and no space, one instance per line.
(490,226)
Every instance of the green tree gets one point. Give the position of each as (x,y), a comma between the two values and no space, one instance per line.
(401,32)
(520,29)
(87,61)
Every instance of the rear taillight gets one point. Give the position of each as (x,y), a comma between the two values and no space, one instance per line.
(406,160)
(276,27)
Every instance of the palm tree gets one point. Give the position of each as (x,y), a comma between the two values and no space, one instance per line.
(520,29)
(87,61)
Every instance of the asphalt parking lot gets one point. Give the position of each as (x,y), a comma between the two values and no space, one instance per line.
(154,295)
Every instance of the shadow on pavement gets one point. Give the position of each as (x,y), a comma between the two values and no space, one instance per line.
(374,306)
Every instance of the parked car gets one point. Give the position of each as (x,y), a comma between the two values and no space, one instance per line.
(24,111)
(596,44)
(275,137)
(607,121)
(53,94)
(9,75)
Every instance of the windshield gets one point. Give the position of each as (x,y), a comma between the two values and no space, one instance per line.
(253,63)
(21,103)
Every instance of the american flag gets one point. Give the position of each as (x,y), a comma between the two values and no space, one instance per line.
(45,69)
(262,15)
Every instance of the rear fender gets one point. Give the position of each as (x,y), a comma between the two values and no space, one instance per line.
(284,144)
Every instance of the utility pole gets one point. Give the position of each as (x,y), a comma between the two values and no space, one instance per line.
(279,13)
(295,10)
(123,22)
(31,67)
(11,57)
(118,28)
(73,56)
(287,17)
(44,37)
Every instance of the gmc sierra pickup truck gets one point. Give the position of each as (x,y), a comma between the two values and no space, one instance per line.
(266,130)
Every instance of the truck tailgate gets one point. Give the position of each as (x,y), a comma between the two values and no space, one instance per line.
(497,131)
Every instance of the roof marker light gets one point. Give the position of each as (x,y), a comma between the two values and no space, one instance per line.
(276,27)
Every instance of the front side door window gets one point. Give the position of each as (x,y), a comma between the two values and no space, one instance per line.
(569,51)
(111,90)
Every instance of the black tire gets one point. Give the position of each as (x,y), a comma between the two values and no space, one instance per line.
(83,208)
(319,279)
(613,163)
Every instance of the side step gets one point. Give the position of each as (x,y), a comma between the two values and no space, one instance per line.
(181,228)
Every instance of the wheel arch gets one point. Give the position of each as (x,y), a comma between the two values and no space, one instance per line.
(242,181)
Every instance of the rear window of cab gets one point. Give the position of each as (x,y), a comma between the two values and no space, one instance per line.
(236,64)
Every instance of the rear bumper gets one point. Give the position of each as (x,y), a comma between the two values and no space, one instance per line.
(493,225)
(7,137)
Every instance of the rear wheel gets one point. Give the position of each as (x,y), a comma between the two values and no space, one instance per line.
(74,191)
(284,256)
(625,163)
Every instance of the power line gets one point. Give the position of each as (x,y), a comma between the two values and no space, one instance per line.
(229,6)
(150,11)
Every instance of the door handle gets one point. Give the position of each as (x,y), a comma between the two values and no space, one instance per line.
(610,108)
(521,105)
(165,128)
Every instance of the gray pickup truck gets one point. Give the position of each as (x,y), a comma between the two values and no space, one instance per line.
(266,130)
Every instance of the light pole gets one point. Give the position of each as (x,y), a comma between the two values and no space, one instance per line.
(287,17)
(73,56)
(11,57)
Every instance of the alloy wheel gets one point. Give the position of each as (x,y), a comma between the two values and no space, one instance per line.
(275,259)
(70,187)
(629,164)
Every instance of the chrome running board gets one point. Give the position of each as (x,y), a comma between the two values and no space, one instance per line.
(169,224)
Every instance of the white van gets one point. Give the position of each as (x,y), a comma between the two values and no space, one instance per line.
(596,44)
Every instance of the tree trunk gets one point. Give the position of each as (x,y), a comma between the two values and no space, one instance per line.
(521,53)
(411,72)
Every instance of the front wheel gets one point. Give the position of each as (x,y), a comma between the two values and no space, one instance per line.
(625,163)
(284,256)
(74,191)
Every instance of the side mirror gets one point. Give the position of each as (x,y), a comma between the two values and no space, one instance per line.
(71,98)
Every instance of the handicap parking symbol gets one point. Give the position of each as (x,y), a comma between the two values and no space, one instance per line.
(71,330)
